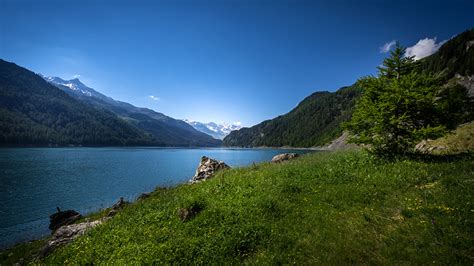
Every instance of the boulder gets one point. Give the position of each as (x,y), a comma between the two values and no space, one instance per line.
(185,214)
(283,157)
(207,168)
(61,218)
(116,207)
(65,234)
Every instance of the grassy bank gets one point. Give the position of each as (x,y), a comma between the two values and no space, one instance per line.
(321,208)
(460,140)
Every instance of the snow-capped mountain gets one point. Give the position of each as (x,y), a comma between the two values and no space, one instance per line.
(76,86)
(218,131)
(164,130)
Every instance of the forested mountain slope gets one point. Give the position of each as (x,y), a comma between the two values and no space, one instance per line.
(456,56)
(315,121)
(164,130)
(34,112)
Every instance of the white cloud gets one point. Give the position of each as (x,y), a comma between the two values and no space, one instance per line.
(76,76)
(238,123)
(154,98)
(423,48)
(386,47)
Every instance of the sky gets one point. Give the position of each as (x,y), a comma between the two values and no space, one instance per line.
(222,61)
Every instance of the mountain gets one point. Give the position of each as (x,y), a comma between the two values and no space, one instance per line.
(454,57)
(75,85)
(163,129)
(217,131)
(34,112)
(315,121)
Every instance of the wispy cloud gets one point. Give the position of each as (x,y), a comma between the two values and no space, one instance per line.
(154,98)
(387,46)
(76,76)
(423,48)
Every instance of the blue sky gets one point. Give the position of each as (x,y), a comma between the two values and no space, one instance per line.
(229,60)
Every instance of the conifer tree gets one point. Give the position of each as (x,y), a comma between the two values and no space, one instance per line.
(398,107)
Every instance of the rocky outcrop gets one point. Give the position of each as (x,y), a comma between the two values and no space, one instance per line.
(207,168)
(428,147)
(467,82)
(341,143)
(116,207)
(62,218)
(67,234)
(283,157)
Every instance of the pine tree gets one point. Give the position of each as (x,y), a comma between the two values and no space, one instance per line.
(398,108)
(397,64)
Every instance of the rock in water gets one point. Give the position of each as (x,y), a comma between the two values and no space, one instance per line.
(283,157)
(66,234)
(61,218)
(207,167)
(117,207)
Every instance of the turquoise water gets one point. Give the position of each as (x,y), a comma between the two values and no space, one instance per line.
(34,181)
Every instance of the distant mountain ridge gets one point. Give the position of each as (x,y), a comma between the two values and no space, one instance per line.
(164,129)
(34,112)
(217,131)
(41,111)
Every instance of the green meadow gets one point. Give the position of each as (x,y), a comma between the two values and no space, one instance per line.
(340,207)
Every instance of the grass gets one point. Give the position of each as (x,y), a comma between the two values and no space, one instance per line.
(460,140)
(323,208)
(22,253)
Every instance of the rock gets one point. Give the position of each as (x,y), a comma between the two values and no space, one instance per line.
(112,213)
(119,204)
(65,234)
(341,143)
(61,218)
(116,207)
(428,147)
(186,214)
(422,146)
(283,157)
(144,195)
(207,167)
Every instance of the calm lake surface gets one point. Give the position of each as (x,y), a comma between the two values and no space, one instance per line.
(34,181)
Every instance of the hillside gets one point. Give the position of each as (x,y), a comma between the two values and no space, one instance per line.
(164,130)
(33,112)
(315,121)
(454,57)
(350,208)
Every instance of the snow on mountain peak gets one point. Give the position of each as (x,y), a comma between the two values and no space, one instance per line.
(218,131)
(74,84)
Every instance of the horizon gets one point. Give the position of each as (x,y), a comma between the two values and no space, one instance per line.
(220,61)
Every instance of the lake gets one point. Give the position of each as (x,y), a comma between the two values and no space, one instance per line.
(34,181)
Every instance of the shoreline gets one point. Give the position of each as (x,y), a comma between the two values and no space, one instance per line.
(165,147)
(87,215)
